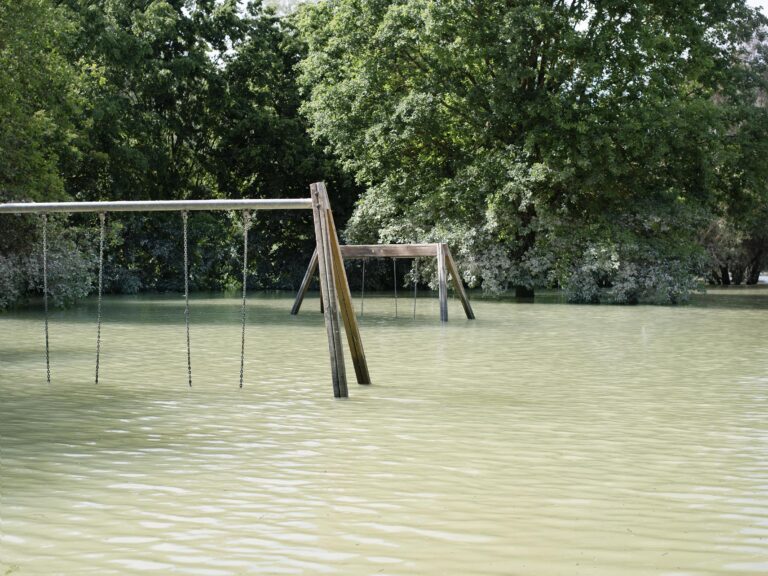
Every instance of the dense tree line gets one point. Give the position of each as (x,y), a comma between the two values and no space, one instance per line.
(583,144)
(154,99)
(613,149)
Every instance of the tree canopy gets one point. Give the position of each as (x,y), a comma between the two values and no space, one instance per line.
(611,149)
(575,143)
(157,99)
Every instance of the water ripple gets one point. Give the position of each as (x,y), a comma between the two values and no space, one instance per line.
(538,440)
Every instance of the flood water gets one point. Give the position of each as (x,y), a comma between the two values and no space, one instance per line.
(540,439)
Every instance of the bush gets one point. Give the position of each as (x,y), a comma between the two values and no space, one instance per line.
(11,281)
(71,265)
(630,275)
(70,275)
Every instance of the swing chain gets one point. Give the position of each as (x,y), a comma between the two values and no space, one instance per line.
(394,273)
(415,284)
(102,220)
(362,291)
(184,217)
(45,296)
(246,227)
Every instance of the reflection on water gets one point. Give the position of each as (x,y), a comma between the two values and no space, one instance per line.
(540,439)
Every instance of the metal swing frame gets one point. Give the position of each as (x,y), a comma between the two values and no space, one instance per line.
(336,296)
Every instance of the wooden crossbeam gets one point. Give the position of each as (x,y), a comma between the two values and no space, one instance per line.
(445,265)
(388,250)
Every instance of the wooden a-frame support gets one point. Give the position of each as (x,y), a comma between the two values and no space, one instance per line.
(336,297)
(445,265)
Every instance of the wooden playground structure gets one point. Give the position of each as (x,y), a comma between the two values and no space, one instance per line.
(445,265)
(336,297)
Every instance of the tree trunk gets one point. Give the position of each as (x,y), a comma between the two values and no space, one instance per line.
(753,275)
(725,278)
(753,270)
(523,292)
(738,275)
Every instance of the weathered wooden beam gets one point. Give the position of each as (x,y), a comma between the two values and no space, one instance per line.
(328,291)
(347,310)
(457,283)
(311,269)
(388,250)
(442,282)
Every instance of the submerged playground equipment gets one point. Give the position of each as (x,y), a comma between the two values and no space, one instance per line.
(445,265)
(334,288)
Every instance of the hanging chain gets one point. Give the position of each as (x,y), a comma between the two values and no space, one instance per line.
(184,217)
(394,270)
(45,296)
(102,219)
(362,292)
(415,285)
(246,227)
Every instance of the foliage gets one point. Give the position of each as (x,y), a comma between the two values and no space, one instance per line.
(262,148)
(70,269)
(173,99)
(614,149)
(70,265)
(11,281)
(37,99)
(553,142)
(738,240)
(197,99)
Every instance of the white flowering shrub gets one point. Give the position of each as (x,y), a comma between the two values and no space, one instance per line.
(70,274)
(630,276)
(70,268)
(11,281)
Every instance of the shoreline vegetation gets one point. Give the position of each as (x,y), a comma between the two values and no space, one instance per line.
(612,151)
(425,294)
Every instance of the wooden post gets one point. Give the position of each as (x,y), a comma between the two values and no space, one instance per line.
(305,285)
(457,283)
(328,290)
(442,282)
(344,296)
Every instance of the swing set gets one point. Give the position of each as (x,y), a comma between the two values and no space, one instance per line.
(445,265)
(336,297)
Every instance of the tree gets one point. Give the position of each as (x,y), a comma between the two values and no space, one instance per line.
(192,99)
(146,100)
(552,142)
(39,103)
(37,99)
(262,148)
(740,239)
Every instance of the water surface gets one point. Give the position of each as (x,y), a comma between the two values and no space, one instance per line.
(541,439)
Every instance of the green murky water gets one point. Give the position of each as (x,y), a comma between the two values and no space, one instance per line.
(540,439)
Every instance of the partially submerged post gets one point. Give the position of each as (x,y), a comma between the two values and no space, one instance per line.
(341,285)
(333,279)
(445,265)
(335,295)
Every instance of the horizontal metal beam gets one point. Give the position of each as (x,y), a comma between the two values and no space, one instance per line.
(158,205)
(388,250)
